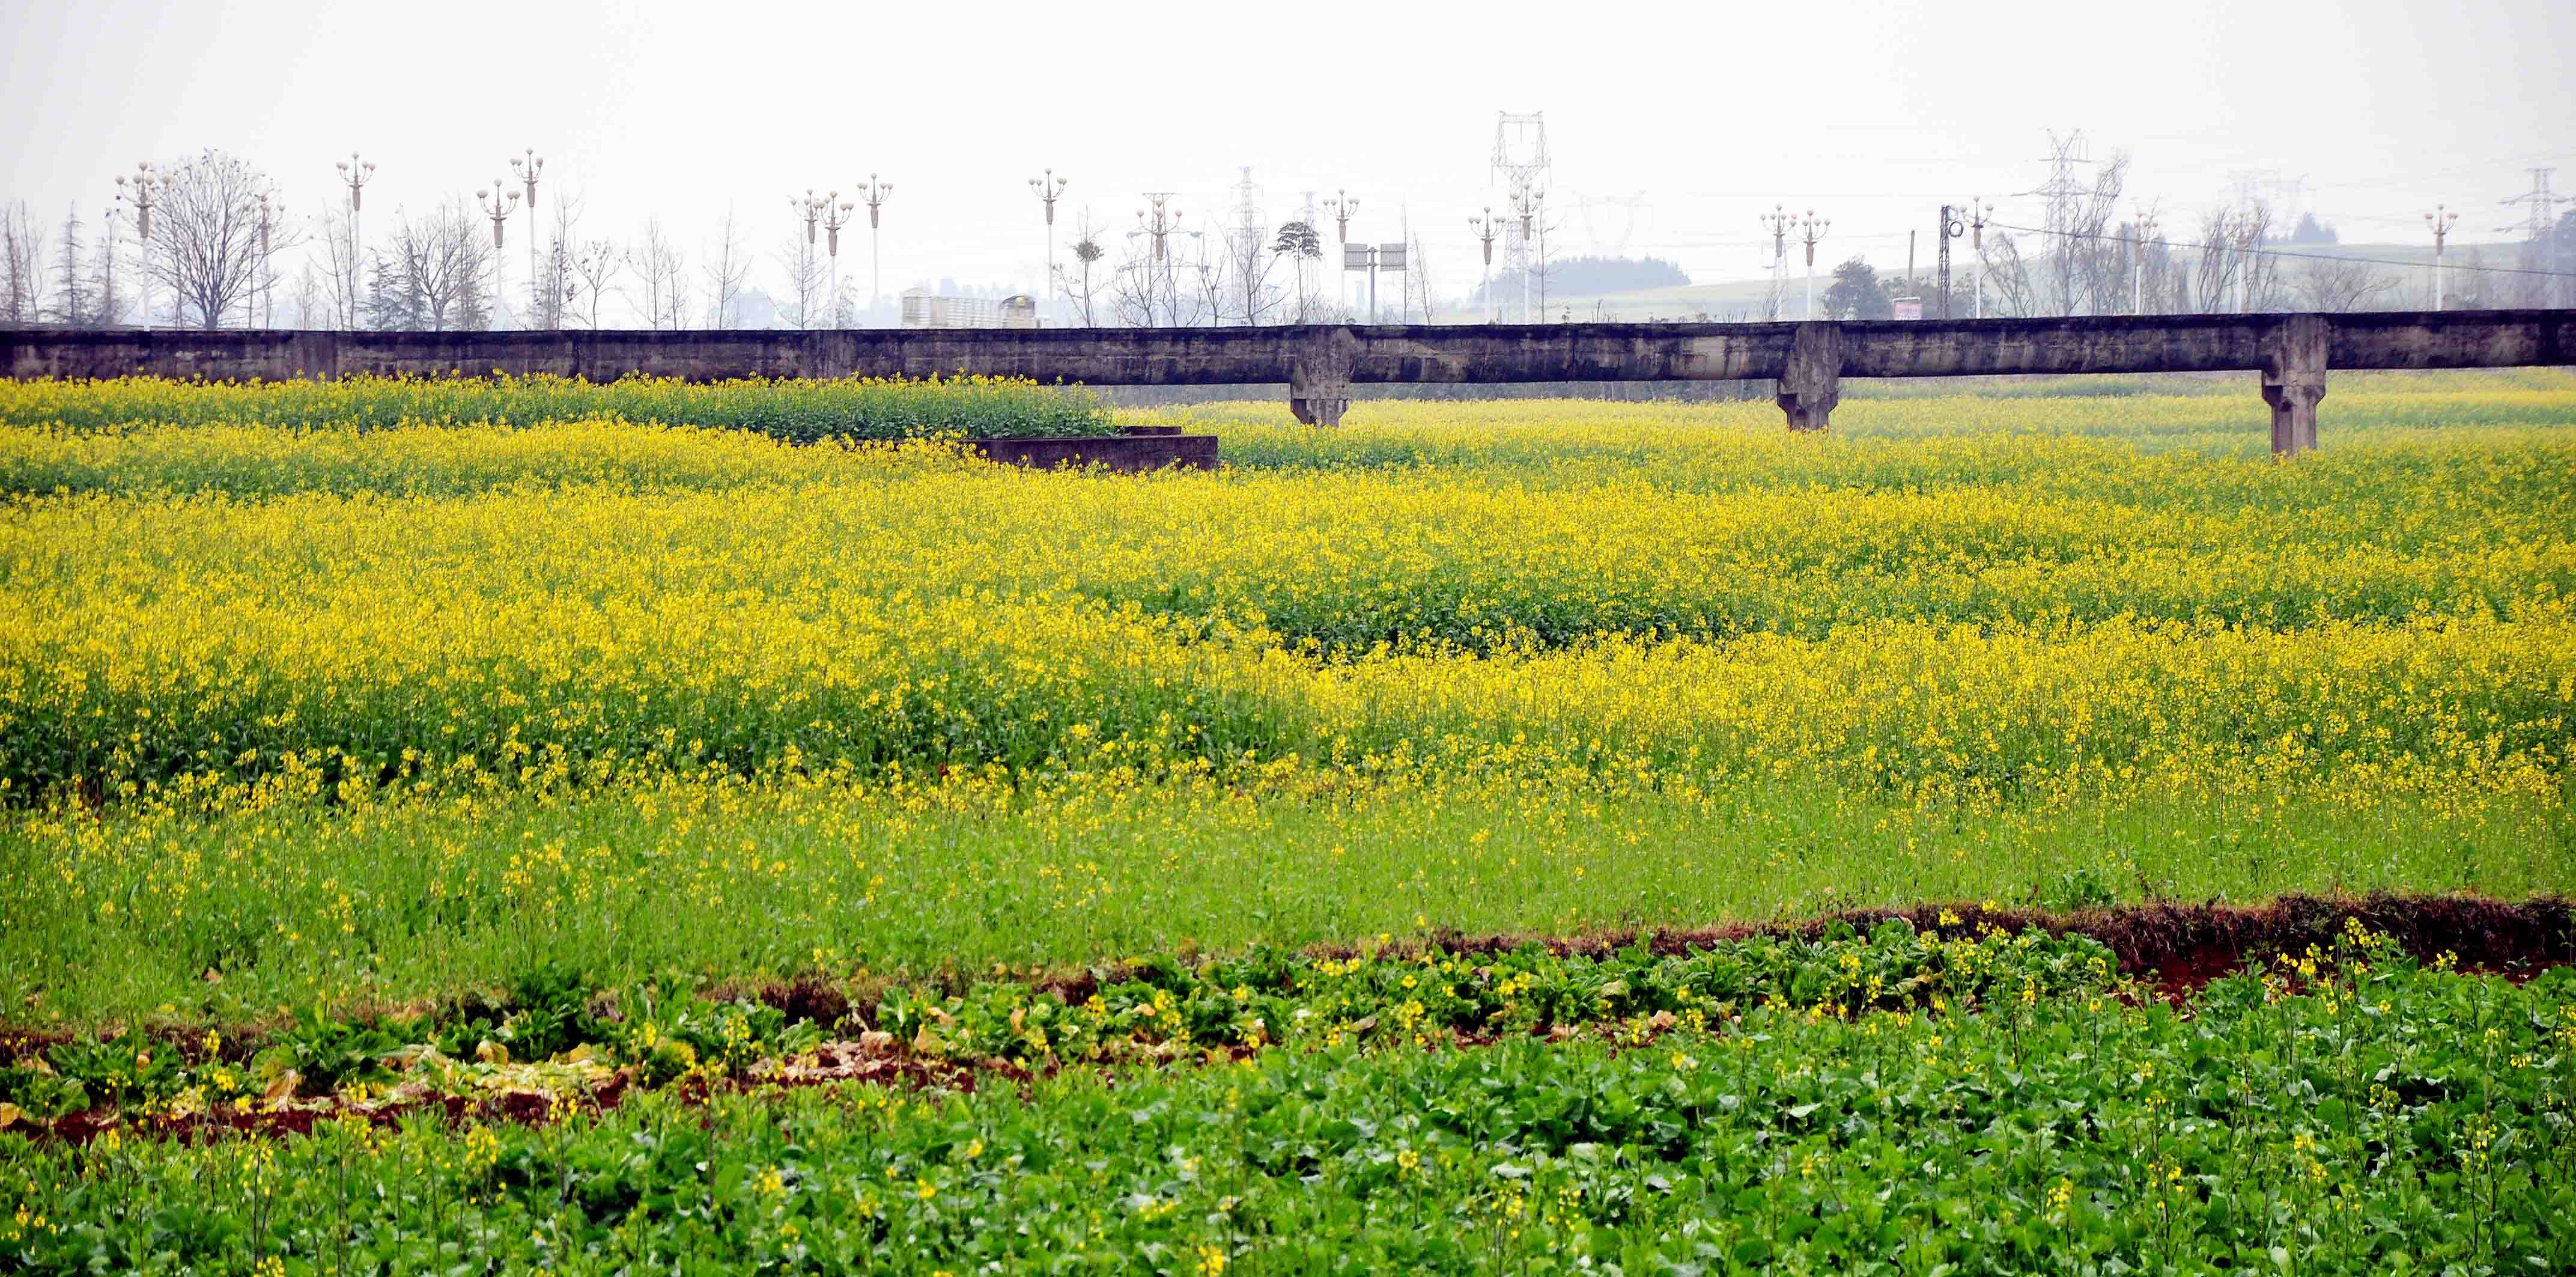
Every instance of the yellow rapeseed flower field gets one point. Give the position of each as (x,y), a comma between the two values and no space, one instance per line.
(350,713)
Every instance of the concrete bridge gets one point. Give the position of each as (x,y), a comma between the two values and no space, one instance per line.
(2291,353)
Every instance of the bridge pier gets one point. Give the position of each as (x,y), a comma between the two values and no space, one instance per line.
(1811,382)
(1319,378)
(2294,379)
(1812,377)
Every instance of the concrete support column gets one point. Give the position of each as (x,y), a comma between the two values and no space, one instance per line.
(2294,379)
(1319,377)
(1812,381)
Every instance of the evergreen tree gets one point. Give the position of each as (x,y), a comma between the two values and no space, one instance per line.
(73,303)
(1856,295)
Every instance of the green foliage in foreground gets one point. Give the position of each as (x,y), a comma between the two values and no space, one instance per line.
(115,914)
(800,410)
(2391,1120)
(1158,1009)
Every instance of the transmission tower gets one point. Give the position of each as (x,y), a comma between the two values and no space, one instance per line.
(2543,215)
(1247,234)
(1597,211)
(2064,196)
(2538,227)
(1521,164)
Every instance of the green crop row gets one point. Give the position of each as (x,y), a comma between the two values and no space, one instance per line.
(666,1028)
(799,410)
(2314,1117)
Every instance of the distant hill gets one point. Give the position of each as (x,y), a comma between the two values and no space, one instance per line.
(1594,277)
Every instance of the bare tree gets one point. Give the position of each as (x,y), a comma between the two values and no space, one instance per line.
(22,267)
(105,285)
(207,233)
(312,297)
(346,269)
(594,266)
(1418,281)
(551,292)
(1087,253)
(808,280)
(2338,284)
(2008,277)
(662,274)
(438,275)
(725,274)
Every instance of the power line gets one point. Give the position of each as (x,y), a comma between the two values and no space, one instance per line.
(2283,252)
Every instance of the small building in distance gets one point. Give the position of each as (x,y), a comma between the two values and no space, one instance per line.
(923,309)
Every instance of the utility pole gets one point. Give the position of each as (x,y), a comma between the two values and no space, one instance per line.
(1977,211)
(527,168)
(1951,228)
(498,209)
(1047,188)
(142,184)
(1778,221)
(355,173)
(1811,230)
(836,214)
(2142,228)
(1485,228)
(2440,220)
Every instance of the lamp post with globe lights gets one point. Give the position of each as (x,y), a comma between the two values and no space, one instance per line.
(1343,204)
(1487,229)
(1047,189)
(354,174)
(141,187)
(836,214)
(2439,222)
(874,196)
(498,203)
(527,167)
(1811,229)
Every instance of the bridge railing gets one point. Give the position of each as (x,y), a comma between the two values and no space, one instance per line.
(2291,353)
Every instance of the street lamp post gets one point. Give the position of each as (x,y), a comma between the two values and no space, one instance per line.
(354,173)
(2439,220)
(527,167)
(498,203)
(267,284)
(812,207)
(1812,228)
(1486,229)
(1161,226)
(1525,204)
(2145,227)
(874,194)
(1777,221)
(1343,204)
(141,185)
(1977,211)
(1047,188)
(836,214)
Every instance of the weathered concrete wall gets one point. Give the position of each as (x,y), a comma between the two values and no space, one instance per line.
(1320,363)
(1132,453)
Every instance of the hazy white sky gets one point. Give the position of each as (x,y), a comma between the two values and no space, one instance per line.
(1872,113)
